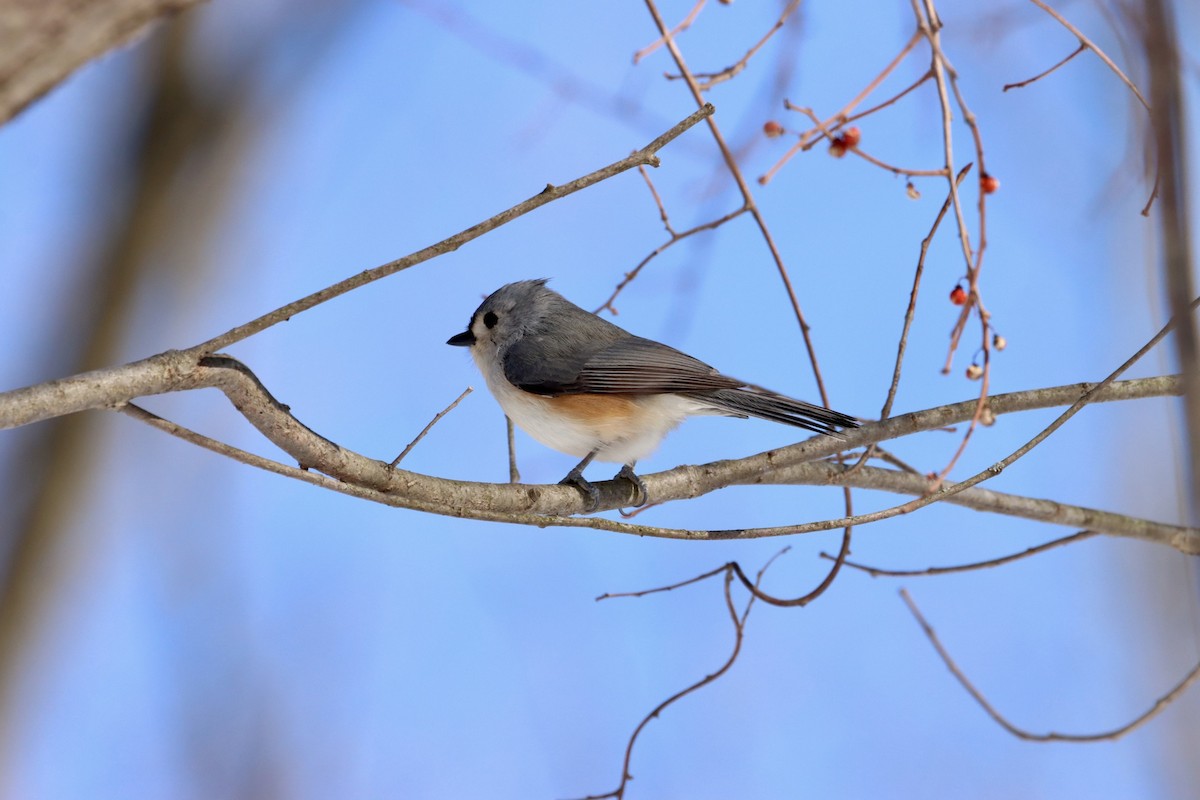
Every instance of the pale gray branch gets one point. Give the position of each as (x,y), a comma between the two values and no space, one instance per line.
(552,505)
(1052,511)
(799,463)
(171,371)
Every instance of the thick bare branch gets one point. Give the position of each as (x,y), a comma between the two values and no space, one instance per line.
(103,388)
(179,371)
(549,505)
(897,482)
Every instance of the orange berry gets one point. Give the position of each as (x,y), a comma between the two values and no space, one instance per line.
(989,184)
(772,129)
(958,296)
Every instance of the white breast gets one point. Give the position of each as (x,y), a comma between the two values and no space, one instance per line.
(621,439)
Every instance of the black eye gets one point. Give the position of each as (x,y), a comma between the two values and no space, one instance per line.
(490,319)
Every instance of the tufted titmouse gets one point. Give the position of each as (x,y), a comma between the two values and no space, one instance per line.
(581,385)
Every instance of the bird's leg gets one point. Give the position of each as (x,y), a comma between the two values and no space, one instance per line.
(575,478)
(643,496)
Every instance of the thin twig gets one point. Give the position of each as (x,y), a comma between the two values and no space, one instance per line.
(876,572)
(645,156)
(1040,75)
(843,116)
(675,239)
(810,138)
(910,312)
(912,173)
(897,97)
(437,418)
(929,25)
(739,627)
(1089,44)
(637,512)
(1021,733)
(915,173)
(713,78)
(135,411)
(826,582)
(891,458)
(678,29)
(669,588)
(662,210)
(315,478)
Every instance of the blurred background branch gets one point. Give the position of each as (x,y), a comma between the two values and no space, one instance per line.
(43,41)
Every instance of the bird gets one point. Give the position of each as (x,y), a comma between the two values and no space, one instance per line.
(581,385)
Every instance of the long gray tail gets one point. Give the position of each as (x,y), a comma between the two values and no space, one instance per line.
(767,405)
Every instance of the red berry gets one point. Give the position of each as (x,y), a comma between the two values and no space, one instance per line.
(958,296)
(989,184)
(851,137)
(837,148)
(772,129)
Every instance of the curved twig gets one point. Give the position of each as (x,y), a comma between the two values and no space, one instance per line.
(1021,733)
(877,572)
(364,477)
(739,631)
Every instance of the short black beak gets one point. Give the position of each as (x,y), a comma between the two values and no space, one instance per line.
(464,339)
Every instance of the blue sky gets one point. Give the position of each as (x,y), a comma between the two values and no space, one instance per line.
(210,630)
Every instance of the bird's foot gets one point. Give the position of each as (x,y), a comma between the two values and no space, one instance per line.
(643,496)
(591,493)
